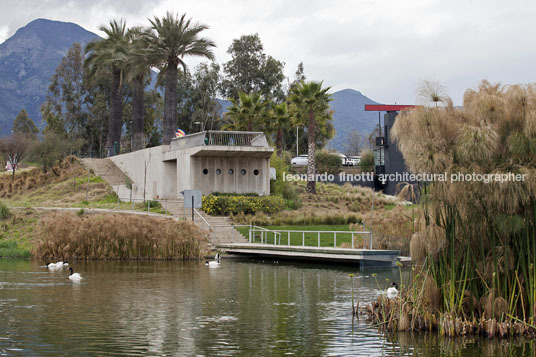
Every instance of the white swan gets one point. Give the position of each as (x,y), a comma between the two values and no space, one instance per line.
(215,263)
(53,266)
(392,292)
(74,276)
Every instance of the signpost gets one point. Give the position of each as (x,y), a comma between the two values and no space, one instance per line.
(192,199)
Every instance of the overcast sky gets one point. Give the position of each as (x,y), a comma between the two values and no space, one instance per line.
(382,48)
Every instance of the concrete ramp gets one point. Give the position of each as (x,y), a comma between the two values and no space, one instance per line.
(109,172)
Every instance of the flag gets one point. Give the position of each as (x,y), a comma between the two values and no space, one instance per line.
(179,133)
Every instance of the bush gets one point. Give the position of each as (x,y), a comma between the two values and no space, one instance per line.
(4,211)
(367,162)
(225,205)
(154,204)
(328,162)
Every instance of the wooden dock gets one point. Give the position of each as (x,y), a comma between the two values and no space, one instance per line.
(360,257)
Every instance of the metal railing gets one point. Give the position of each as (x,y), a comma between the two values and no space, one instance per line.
(268,236)
(147,203)
(202,218)
(221,138)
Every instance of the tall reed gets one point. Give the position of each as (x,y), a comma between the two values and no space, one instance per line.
(113,236)
(479,243)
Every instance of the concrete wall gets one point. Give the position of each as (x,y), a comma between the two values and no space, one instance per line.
(133,165)
(171,172)
(236,174)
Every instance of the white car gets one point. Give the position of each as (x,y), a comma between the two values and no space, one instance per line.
(300,160)
(353,160)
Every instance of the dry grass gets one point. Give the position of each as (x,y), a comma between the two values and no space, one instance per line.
(66,236)
(62,186)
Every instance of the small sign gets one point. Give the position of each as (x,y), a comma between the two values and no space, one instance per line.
(192,196)
(273,174)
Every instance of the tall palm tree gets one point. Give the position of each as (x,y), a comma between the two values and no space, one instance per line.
(138,66)
(247,113)
(311,103)
(280,121)
(171,40)
(111,54)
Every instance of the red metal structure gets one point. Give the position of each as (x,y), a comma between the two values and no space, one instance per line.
(387,107)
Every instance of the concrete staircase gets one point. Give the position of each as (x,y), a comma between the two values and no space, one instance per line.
(220,228)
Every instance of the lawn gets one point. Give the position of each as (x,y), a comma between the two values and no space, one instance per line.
(307,238)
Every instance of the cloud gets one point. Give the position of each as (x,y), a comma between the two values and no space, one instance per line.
(381,48)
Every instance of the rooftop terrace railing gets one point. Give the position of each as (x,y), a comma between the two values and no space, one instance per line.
(222,138)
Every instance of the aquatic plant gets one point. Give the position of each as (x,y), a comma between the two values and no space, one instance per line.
(478,243)
(114,236)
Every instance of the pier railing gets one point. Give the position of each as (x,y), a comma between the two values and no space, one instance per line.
(311,238)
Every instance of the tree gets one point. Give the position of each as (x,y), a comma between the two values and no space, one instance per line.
(206,83)
(171,40)
(14,148)
(138,70)
(311,103)
(63,110)
(111,54)
(280,119)
(354,143)
(50,150)
(249,112)
(251,70)
(24,125)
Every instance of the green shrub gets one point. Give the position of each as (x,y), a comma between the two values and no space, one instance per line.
(328,162)
(225,205)
(367,162)
(154,204)
(10,249)
(4,211)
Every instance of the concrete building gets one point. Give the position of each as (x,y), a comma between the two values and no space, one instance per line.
(209,161)
(387,158)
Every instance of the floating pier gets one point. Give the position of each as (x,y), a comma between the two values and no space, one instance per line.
(348,256)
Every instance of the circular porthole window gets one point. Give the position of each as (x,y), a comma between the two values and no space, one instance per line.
(255,172)
(218,172)
(205,171)
(231,171)
(243,172)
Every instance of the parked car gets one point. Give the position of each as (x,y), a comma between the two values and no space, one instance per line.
(353,160)
(300,160)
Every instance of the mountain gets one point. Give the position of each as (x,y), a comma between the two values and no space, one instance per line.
(27,61)
(29,58)
(349,114)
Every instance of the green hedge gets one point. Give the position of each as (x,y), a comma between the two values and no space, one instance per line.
(216,205)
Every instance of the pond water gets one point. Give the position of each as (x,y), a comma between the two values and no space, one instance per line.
(186,308)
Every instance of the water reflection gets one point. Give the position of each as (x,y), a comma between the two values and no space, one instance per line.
(244,307)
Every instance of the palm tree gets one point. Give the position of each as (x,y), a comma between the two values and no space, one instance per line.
(247,113)
(111,54)
(171,40)
(138,71)
(280,120)
(311,103)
